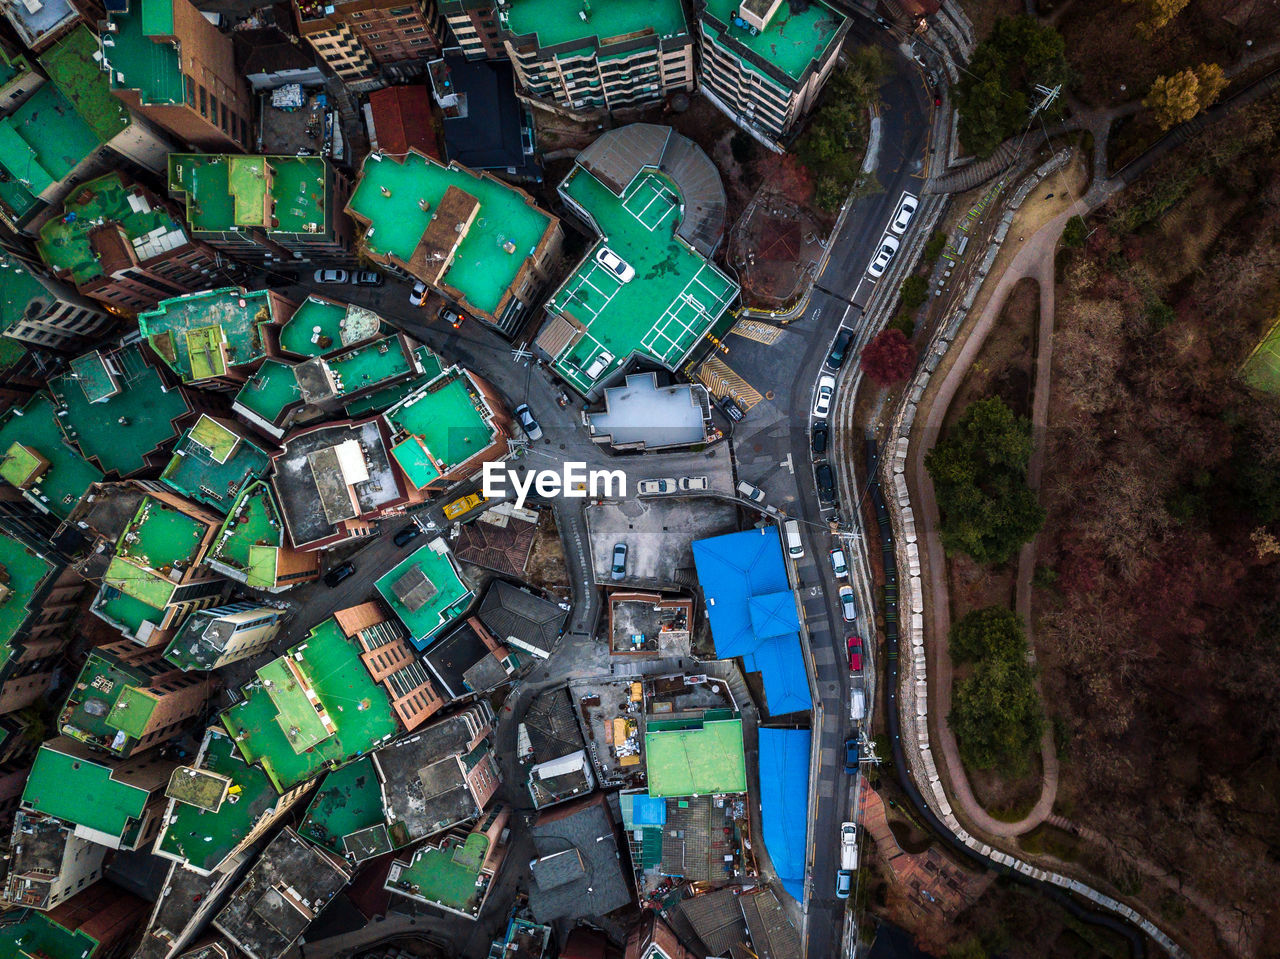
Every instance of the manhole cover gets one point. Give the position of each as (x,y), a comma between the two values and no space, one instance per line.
(768,394)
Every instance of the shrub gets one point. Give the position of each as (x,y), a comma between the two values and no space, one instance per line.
(889,358)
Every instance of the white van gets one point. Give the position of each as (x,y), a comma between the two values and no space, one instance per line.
(599,364)
(795,548)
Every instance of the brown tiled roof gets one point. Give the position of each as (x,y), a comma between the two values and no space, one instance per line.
(504,549)
(355,618)
(112,247)
(402,119)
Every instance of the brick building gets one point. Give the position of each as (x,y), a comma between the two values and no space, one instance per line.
(368,41)
(392,662)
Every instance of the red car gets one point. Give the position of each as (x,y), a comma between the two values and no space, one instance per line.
(855,654)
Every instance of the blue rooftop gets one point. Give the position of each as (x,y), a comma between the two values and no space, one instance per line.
(784,803)
(753,612)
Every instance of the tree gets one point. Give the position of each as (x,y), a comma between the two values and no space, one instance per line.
(915,290)
(993,95)
(996,715)
(1160,12)
(933,249)
(787,176)
(889,358)
(1176,99)
(743,147)
(990,632)
(1074,233)
(979,474)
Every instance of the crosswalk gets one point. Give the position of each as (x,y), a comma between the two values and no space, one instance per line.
(760,332)
(721,380)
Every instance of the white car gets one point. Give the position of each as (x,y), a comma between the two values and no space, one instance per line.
(649,486)
(419,294)
(332,276)
(753,493)
(848,608)
(906,210)
(838,564)
(823,395)
(524,416)
(623,271)
(690,484)
(888,247)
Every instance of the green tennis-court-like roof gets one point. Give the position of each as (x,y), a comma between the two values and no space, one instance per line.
(397,198)
(81,791)
(321,326)
(226,193)
(93,712)
(35,934)
(790,41)
(124,610)
(389,396)
(695,757)
(674,298)
(160,535)
(212,465)
(448,875)
(270,391)
(357,706)
(72,65)
(24,572)
(44,139)
(138,62)
(253,524)
(560,21)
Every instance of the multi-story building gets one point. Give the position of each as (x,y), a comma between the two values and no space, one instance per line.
(426,592)
(765,61)
(99,923)
(117,243)
(480,242)
(40,311)
(392,662)
(41,24)
(252,548)
(214,338)
(128,699)
(217,637)
(653,939)
(474,24)
(49,862)
(119,805)
(454,873)
(265,209)
(213,462)
(602,56)
(218,807)
(171,65)
(366,42)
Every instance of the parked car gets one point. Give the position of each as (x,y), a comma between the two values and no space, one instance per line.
(888,247)
(406,535)
(650,486)
(818,438)
(826,481)
(463,504)
(367,278)
(839,348)
(619,569)
(848,608)
(753,493)
(839,565)
(855,653)
(844,883)
(731,409)
(524,416)
(851,755)
(332,276)
(823,395)
(623,271)
(692,484)
(451,316)
(338,574)
(419,294)
(906,209)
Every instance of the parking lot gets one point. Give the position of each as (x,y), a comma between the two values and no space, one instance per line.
(658,532)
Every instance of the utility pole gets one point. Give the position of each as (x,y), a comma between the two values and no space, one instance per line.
(1047,96)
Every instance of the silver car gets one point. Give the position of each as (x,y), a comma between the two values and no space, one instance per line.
(619,568)
(823,395)
(888,247)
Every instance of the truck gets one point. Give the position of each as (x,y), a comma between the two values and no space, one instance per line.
(857,705)
(849,846)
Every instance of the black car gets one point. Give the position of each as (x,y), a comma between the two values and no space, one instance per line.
(451,316)
(818,441)
(731,409)
(826,483)
(406,535)
(338,574)
(835,359)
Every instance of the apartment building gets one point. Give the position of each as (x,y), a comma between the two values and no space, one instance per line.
(175,68)
(454,873)
(128,699)
(265,209)
(40,311)
(764,62)
(252,548)
(216,637)
(366,42)
(392,662)
(588,56)
(117,243)
(41,23)
(474,25)
(49,863)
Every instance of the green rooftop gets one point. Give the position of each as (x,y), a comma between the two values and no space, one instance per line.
(204,837)
(507,228)
(270,391)
(122,609)
(790,41)
(225,194)
(11,351)
(212,465)
(64,240)
(81,791)
(140,63)
(448,875)
(69,475)
(160,536)
(252,527)
(105,707)
(21,295)
(389,396)
(322,326)
(200,334)
(24,571)
(348,805)
(695,757)
(560,21)
(73,69)
(44,140)
(444,425)
(146,586)
(35,934)
(425,591)
(672,301)
(363,367)
(118,431)
(356,705)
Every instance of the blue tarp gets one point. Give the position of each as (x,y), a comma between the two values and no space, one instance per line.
(753,612)
(784,803)
(648,811)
